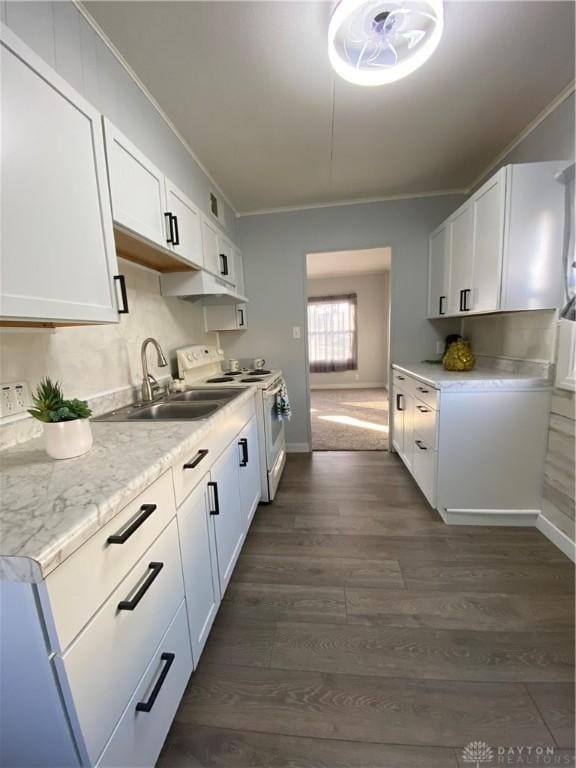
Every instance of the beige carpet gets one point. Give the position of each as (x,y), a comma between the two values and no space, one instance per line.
(349,419)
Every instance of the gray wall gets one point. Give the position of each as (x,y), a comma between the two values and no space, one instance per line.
(372,293)
(58,33)
(275,248)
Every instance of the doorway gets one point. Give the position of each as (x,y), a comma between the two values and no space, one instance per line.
(348,295)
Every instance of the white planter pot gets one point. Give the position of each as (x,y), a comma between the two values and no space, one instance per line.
(67,439)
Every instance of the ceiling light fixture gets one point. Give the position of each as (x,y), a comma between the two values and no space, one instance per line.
(374,42)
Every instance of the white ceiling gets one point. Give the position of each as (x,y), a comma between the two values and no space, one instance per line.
(249,85)
(341,263)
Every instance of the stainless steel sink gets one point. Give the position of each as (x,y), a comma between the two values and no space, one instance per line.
(192,405)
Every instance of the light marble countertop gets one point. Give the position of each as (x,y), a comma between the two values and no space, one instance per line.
(478,379)
(50,508)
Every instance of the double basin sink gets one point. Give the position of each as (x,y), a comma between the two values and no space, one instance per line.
(191,405)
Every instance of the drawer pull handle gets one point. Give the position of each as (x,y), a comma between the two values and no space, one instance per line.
(119,538)
(216,510)
(423,389)
(129,605)
(422,409)
(243,443)
(398,402)
(401,378)
(420,445)
(146,706)
(193,463)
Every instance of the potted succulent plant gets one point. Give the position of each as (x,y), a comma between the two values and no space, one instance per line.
(67,430)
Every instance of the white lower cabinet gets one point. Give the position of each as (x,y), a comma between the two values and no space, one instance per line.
(225,510)
(199,565)
(138,738)
(249,471)
(475,451)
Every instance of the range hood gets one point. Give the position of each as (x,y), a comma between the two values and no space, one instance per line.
(200,285)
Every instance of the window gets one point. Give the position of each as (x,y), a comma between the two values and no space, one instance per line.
(332,340)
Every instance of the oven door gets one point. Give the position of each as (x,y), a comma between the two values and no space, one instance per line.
(273,428)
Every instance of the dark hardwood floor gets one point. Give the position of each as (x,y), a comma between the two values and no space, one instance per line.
(359,631)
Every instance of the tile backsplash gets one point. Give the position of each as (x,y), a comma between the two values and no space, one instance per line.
(101,363)
(520,336)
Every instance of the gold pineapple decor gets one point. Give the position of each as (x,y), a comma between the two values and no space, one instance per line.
(458,356)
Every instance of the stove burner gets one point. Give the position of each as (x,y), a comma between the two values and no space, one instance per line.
(233,373)
(251,381)
(259,372)
(219,380)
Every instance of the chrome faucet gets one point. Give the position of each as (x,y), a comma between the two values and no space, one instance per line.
(150,385)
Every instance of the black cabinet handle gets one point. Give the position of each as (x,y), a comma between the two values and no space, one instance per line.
(420,445)
(123,310)
(193,463)
(461,301)
(465,307)
(146,706)
(243,443)
(401,378)
(119,538)
(129,605)
(175,231)
(241,313)
(398,406)
(224,262)
(170,235)
(423,389)
(422,409)
(441,308)
(216,510)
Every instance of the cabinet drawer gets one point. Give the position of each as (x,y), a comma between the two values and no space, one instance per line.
(424,469)
(425,423)
(139,736)
(193,463)
(427,394)
(104,664)
(400,379)
(79,586)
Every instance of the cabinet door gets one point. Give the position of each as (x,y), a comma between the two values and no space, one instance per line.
(241,317)
(211,246)
(57,243)
(488,204)
(225,511)
(186,228)
(226,260)
(137,188)
(199,565)
(438,272)
(398,420)
(461,260)
(408,405)
(249,471)
(239,271)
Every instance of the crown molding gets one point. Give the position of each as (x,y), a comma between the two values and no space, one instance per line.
(532,125)
(122,61)
(355,201)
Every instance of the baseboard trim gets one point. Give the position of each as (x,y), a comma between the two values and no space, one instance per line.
(297,447)
(527,518)
(352,385)
(495,517)
(556,536)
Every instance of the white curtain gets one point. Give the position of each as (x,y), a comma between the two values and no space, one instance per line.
(332,335)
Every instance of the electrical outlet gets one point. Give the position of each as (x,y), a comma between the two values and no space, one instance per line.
(14,398)
(296,334)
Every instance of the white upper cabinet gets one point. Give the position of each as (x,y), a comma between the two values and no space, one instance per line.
(226,259)
(137,188)
(505,245)
(461,228)
(488,207)
(184,225)
(211,246)
(58,255)
(439,271)
(239,271)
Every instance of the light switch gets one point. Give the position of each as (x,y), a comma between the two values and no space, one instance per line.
(296,332)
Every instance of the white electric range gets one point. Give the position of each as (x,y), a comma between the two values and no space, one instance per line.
(203,366)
